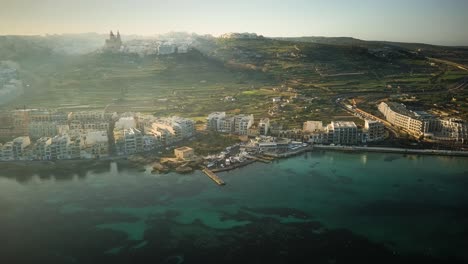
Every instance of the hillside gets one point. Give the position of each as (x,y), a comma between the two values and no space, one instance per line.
(196,83)
(458,54)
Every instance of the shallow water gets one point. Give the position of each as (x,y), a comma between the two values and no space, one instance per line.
(336,207)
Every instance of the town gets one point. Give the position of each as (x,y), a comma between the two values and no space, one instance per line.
(40,134)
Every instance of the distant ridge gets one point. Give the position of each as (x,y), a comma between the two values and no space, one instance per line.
(350,41)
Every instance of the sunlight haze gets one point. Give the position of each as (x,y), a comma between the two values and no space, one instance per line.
(434,22)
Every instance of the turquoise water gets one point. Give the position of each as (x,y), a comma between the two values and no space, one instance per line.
(382,207)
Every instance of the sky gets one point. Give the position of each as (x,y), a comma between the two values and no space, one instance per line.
(442,22)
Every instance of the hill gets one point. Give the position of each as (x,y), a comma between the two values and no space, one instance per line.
(249,70)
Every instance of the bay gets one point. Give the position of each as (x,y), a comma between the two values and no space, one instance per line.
(327,207)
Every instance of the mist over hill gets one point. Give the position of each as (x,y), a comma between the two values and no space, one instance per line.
(73,69)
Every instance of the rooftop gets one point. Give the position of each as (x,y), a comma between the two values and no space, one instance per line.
(184,149)
(343,124)
(401,109)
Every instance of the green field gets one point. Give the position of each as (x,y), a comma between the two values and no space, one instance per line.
(195,84)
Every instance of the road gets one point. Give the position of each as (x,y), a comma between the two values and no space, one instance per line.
(341,98)
(365,115)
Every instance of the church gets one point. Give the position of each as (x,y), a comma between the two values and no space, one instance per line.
(114,43)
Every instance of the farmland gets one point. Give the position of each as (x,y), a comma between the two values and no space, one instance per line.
(238,76)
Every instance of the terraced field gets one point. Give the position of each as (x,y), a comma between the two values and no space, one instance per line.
(196,83)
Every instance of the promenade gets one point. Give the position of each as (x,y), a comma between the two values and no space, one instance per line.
(394,150)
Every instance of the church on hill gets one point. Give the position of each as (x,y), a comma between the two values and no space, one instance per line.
(114,43)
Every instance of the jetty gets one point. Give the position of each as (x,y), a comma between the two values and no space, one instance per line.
(213,176)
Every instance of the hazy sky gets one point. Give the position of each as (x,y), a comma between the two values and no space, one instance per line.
(430,21)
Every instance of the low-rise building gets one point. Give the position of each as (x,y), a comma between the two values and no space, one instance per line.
(184,153)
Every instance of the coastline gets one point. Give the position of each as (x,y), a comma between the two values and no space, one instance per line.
(433,152)
(80,167)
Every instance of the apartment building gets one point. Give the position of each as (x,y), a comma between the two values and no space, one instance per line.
(373,130)
(342,132)
(238,124)
(264,126)
(417,123)
(42,150)
(128,141)
(214,120)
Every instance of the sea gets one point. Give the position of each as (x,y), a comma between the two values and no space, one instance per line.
(318,207)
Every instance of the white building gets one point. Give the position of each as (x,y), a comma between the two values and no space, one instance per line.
(374,130)
(238,124)
(128,141)
(226,125)
(242,123)
(7,151)
(183,127)
(19,145)
(165,131)
(214,120)
(451,129)
(264,126)
(125,123)
(95,144)
(417,123)
(244,35)
(42,149)
(342,132)
(59,147)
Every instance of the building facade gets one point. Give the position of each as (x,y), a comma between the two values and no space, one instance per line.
(415,123)
(342,132)
(374,130)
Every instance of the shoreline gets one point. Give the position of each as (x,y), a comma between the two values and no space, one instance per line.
(70,167)
(432,152)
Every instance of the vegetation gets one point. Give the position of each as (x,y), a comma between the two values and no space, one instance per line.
(306,74)
(212,143)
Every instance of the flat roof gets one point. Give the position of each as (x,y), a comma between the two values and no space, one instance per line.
(342,124)
(402,109)
(183,148)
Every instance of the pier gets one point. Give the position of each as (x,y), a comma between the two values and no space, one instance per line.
(213,176)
